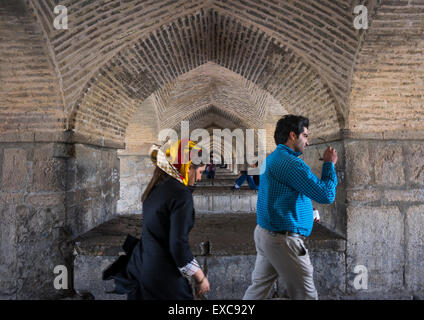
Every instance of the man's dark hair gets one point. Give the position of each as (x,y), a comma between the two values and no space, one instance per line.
(287,124)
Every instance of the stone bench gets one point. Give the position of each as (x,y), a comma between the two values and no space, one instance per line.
(219,199)
(226,175)
(217,182)
(228,264)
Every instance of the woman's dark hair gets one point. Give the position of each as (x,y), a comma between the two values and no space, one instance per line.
(158,176)
(288,124)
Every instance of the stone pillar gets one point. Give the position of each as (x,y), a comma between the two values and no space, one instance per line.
(92,187)
(136,172)
(50,193)
(385,214)
(332,216)
(33,218)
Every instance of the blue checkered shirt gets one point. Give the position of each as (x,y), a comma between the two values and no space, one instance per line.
(286,188)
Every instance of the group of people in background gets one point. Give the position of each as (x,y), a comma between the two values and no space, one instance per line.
(252,180)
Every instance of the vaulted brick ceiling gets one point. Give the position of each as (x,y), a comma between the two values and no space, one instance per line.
(301,53)
(263,68)
(304,54)
(319,31)
(211,84)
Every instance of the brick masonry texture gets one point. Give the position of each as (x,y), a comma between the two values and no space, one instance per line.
(277,54)
(261,70)
(92,78)
(125,69)
(388,83)
(30,97)
(105,27)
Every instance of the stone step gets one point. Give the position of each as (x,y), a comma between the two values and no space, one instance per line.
(218,169)
(229,262)
(221,199)
(217,182)
(222,177)
(226,176)
(224,172)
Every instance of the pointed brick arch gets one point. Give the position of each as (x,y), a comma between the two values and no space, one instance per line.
(212,84)
(320,34)
(154,62)
(211,114)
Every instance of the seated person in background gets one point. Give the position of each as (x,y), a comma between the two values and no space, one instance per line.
(223,165)
(210,169)
(244,176)
(256,179)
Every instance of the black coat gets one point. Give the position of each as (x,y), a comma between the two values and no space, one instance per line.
(168,217)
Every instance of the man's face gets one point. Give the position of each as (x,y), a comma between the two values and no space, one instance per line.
(301,143)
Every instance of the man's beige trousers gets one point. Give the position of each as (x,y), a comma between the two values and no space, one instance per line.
(284,256)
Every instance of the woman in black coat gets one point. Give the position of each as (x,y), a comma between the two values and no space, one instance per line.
(168,216)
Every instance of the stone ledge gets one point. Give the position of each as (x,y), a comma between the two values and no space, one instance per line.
(59,136)
(222,176)
(229,276)
(228,265)
(221,190)
(346,135)
(228,234)
(223,183)
(384,135)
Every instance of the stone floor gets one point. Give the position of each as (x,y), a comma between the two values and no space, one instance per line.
(226,234)
(228,263)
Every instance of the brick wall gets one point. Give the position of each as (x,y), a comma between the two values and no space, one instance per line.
(30,98)
(388,83)
(97,30)
(320,34)
(125,69)
(261,68)
(142,129)
(151,59)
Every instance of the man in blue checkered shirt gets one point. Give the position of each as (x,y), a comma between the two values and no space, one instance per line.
(285,212)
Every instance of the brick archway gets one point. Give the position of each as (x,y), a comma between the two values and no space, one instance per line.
(69,98)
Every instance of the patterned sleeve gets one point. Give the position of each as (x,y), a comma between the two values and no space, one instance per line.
(300,177)
(190,268)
